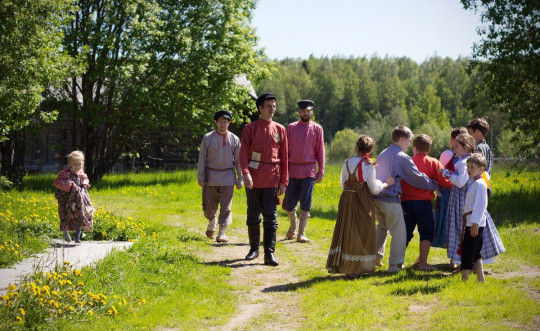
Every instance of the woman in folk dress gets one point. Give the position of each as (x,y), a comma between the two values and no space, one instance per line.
(353,251)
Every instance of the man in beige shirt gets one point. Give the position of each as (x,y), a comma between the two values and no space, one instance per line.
(218,172)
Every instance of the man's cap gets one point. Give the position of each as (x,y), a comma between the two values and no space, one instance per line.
(263,97)
(223,113)
(306,104)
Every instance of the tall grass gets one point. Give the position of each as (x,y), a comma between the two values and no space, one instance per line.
(181,291)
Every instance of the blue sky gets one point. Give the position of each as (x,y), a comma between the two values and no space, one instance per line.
(417,29)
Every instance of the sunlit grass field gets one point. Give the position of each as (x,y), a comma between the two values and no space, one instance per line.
(179,290)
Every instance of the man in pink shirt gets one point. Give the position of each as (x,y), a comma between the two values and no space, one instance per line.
(263,158)
(306,151)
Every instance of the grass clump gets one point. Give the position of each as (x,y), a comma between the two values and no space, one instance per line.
(156,282)
(29,220)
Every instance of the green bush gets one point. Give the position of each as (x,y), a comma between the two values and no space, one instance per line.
(343,145)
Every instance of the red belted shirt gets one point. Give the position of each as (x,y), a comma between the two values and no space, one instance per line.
(263,153)
(429,166)
(306,149)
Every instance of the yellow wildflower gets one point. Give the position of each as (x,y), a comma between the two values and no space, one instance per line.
(91,313)
(22,311)
(12,287)
(19,318)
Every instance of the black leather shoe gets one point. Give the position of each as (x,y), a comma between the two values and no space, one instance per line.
(269,259)
(252,255)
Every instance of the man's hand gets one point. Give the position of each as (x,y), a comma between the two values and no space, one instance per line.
(318,180)
(238,186)
(282,188)
(248,181)
(390,181)
(202,183)
(474,230)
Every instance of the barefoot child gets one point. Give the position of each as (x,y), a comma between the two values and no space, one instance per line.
(74,206)
(393,162)
(492,243)
(475,209)
(416,203)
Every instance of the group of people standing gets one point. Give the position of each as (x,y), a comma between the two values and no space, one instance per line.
(269,160)
(399,194)
(392,194)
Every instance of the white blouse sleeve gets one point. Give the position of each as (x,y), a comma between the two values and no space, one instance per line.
(375,185)
(460,177)
(344,174)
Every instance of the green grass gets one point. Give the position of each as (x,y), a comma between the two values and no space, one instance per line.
(440,300)
(181,291)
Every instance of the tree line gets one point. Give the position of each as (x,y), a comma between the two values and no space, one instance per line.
(372,96)
(128,74)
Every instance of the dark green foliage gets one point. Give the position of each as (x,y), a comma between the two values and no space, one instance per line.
(155,73)
(372,96)
(508,56)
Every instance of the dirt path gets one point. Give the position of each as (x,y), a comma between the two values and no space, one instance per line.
(266,301)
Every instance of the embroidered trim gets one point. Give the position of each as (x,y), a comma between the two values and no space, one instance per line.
(348,257)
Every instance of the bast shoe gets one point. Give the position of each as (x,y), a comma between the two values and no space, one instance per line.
(222,239)
(393,268)
(303,239)
(291,234)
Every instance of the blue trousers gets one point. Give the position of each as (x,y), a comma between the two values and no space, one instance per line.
(418,212)
(299,190)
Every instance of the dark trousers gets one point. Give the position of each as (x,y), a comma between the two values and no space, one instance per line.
(299,190)
(419,212)
(470,248)
(262,201)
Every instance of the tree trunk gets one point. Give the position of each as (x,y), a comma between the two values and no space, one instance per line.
(12,157)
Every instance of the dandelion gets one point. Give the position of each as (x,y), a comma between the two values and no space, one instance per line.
(22,311)
(12,287)
(19,318)
(91,313)
(66,263)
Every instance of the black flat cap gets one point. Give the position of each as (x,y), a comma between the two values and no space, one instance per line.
(306,104)
(223,113)
(263,97)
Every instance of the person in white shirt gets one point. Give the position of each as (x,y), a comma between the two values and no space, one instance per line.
(474,218)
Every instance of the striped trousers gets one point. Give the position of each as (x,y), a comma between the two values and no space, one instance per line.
(262,201)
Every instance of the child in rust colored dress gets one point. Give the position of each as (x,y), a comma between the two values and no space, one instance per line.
(74,207)
(353,248)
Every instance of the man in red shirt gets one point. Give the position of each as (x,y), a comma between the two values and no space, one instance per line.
(416,203)
(306,152)
(263,159)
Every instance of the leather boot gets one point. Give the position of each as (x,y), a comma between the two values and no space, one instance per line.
(269,247)
(254,233)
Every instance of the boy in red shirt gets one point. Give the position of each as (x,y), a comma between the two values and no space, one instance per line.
(416,203)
